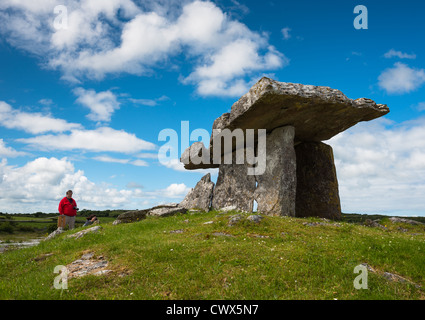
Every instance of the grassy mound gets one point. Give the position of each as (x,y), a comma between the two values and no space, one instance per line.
(201,256)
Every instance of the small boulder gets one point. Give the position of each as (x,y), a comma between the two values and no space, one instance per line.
(255,218)
(235,219)
(176,231)
(166,210)
(131,216)
(396,278)
(55,233)
(371,223)
(403,220)
(222,234)
(82,233)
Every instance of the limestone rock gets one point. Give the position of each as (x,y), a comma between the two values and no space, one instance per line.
(163,210)
(396,278)
(222,234)
(234,219)
(200,197)
(314,224)
(88,265)
(176,231)
(166,210)
(82,233)
(234,188)
(317,113)
(197,156)
(54,234)
(404,220)
(375,224)
(131,216)
(368,267)
(275,194)
(255,218)
(317,185)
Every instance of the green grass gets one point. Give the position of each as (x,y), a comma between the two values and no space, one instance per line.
(294,261)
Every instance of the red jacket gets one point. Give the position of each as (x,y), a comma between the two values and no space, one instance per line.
(66,208)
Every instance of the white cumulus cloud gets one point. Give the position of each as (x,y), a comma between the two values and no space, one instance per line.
(9,152)
(101,104)
(102,139)
(398,54)
(176,190)
(136,162)
(401,79)
(34,123)
(381,167)
(41,183)
(123,36)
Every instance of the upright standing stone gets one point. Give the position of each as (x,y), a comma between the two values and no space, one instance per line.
(275,193)
(200,196)
(317,184)
(234,187)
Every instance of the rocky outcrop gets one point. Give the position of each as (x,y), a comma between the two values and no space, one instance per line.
(255,218)
(82,233)
(76,235)
(275,194)
(404,220)
(163,210)
(200,197)
(55,233)
(391,276)
(88,264)
(374,224)
(317,184)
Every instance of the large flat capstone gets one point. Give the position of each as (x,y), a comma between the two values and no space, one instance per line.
(317,113)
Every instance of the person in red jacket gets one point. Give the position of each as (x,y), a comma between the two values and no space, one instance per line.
(68,208)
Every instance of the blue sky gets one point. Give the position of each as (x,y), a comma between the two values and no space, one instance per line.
(83,98)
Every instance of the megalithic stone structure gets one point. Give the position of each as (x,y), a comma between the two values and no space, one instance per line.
(300,177)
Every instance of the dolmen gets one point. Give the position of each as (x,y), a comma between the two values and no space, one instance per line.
(274,153)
